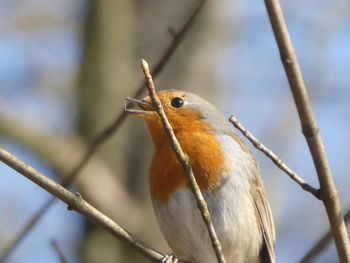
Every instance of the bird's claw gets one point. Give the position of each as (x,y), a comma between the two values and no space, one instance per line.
(169,258)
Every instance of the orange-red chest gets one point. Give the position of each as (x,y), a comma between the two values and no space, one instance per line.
(167,174)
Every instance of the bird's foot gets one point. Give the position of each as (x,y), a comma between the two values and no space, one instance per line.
(169,258)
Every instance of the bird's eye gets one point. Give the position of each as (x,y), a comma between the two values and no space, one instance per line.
(177,102)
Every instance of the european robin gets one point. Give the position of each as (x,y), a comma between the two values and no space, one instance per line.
(228,176)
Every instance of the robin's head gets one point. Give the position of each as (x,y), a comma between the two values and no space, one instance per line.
(184,110)
(196,124)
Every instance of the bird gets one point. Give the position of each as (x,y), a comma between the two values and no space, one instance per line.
(228,176)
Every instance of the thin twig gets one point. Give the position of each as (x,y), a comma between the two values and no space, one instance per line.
(183,159)
(77,203)
(59,251)
(322,243)
(277,161)
(107,132)
(310,130)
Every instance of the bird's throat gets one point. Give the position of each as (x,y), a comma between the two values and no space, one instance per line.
(167,174)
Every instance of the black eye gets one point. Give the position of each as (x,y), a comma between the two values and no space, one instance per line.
(177,102)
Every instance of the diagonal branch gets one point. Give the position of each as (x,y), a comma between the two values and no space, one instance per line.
(57,152)
(110,130)
(310,130)
(77,203)
(183,159)
(277,161)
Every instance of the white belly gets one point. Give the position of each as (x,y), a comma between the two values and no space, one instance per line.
(234,221)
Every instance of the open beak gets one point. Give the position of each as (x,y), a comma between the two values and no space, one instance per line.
(146,107)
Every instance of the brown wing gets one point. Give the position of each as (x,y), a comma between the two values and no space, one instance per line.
(265,222)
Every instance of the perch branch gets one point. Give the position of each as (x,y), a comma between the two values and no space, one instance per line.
(112,128)
(183,159)
(77,203)
(310,130)
(277,161)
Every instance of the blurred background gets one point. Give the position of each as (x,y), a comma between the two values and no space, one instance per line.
(66,66)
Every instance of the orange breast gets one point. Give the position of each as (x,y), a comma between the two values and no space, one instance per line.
(203,149)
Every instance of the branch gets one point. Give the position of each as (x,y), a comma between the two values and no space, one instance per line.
(77,203)
(322,243)
(112,128)
(277,161)
(57,152)
(328,191)
(183,159)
